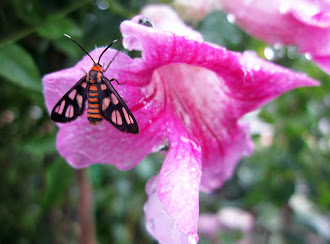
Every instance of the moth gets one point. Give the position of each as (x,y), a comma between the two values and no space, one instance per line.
(104,102)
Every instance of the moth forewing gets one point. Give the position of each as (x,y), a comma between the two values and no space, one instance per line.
(115,110)
(72,104)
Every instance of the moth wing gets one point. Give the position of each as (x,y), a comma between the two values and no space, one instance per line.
(72,104)
(114,109)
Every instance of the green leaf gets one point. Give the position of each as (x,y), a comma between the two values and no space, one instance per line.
(55,27)
(216,28)
(59,177)
(17,66)
(68,47)
(40,146)
(28,11)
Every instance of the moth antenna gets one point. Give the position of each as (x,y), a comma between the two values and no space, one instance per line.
(111,61)
(105,50)
(80,46)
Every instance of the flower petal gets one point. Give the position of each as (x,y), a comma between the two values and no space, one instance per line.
(82,144)
(303,23)
(209,89)
(179,179)
(159,224)
(190,92)
(177,192)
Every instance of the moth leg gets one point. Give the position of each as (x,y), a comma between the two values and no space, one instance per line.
(84,71)
(113,79)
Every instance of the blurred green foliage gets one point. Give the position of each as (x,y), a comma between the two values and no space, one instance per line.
(39,193)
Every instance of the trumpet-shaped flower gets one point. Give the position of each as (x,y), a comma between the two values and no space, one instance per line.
(302,23)
(184,92)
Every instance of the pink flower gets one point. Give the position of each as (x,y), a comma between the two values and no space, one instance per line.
(303,23)
(183,91)
(228,218)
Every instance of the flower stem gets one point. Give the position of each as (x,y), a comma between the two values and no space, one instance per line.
(86,217)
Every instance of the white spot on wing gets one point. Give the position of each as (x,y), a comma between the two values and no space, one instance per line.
(113,116)
(84,84)
(126,116)
(105,103)
(69,112)
(114,99)
(79,100)
(60,111)
(73,94)
(103,87)
(119,119)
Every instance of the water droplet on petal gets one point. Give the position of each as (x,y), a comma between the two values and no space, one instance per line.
(162,147)
(146,21)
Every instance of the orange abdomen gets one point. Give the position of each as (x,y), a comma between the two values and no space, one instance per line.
(93,111)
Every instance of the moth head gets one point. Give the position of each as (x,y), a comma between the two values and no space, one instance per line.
(97,67)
